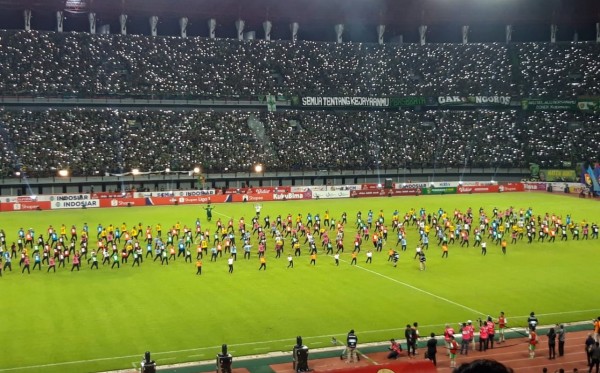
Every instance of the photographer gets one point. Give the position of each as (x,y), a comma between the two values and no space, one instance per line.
(395,349)
(351,342)
(532,321)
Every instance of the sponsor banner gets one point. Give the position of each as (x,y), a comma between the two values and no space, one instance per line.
(478,189)
(562,187)
(190,193)
(76,204)
(371,186)
(441,184)
(323,188)
(154,194)
(535,186)
(187,200)
(251,197)
(174,200)
(69,197)
(410,185)
(331,194)
(491,188)
(474,100)
(539,104)
(511,187)
(25,206)
(176,193)
(100,195)
(257,190)
(304,188)
(385,192)
(122,202)
(292,196)
(13,199)
(268,190)
(439,190)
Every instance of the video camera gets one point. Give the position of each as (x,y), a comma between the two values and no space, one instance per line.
(300,356)
(224,360)
(148,365)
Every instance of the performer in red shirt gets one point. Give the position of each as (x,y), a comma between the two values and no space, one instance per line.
(483,335)
(491,332)
(448,334)
(453,350)
(501,326)
(532,342)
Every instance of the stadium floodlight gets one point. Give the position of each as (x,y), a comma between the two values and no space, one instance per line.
(63,173)
(135,171)
(258,168)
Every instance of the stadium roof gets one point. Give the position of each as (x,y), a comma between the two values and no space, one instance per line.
(317,14)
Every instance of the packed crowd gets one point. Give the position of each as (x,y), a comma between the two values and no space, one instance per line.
(558,70)
(134,65)
(81,64)
(42,142)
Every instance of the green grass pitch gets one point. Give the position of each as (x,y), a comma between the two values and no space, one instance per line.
(106,319)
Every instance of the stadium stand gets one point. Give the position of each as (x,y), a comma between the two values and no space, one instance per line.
(47,140)
(51,64)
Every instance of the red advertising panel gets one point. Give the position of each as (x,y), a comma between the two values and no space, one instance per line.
(478,189)
(122,202)
(161,201)
(512,187)
(370,186)
(25,206)
(418,366)
(535,186)
(384,192)
(257,190)
(268,190)
(252,197)
(504,187)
